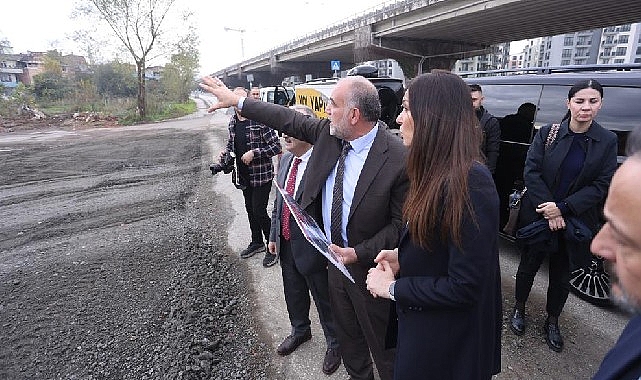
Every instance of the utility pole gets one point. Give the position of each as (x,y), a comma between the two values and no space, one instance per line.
(242,47)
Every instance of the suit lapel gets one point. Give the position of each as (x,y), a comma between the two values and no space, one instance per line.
(321,163)
(376,159)
(286,162)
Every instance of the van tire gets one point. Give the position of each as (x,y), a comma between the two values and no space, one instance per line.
(592,283)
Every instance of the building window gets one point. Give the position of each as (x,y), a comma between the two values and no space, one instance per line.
(609,39)
(565,62)
(607,51)
(625,28)
(638,50)
(567,53)
(581,40)
(622,50)
(619,60)
(605,61)
(623,39)
(568,41)
(637,60)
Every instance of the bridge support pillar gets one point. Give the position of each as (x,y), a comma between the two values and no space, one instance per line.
(362,44)
(417,56)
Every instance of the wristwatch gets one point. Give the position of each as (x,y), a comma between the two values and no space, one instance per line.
(391,290)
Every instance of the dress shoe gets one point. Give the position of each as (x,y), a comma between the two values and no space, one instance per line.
(292,342)
(553,336)
(517,322)
(332,361)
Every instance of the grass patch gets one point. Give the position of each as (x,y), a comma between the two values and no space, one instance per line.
(124,109)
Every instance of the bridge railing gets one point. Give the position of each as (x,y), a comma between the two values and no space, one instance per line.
(378,12)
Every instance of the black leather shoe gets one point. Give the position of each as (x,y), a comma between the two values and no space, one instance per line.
(292,342)
(553,336)
(332,361)
(517,322)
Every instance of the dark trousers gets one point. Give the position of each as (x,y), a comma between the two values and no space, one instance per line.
(297,289)
(559,276)
(256,199)
(361,324)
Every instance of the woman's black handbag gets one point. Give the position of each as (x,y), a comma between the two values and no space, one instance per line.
(515,206)
(515,198)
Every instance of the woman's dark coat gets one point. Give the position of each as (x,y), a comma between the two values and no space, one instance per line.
(588,191)
(448,300)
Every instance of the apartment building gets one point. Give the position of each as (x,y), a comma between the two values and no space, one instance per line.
(612,45)
(21,68)
(499,58)
(387,68)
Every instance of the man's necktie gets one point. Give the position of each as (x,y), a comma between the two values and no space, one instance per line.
(337,198)
(289,187)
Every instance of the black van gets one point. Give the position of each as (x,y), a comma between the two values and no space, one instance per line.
(526,99)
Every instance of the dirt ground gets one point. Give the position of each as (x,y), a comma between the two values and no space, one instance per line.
(112,264)
(119,260)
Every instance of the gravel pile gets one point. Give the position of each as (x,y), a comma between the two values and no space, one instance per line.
(114,264)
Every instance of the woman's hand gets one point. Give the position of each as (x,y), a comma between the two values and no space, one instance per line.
(549,210)
(557,223)
(391,256)
(379,279)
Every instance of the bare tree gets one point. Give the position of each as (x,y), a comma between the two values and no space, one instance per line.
(5,46)
(139,26)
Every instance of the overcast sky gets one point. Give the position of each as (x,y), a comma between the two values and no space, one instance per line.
(41,25)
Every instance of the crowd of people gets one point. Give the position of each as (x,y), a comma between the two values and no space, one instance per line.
(415,222)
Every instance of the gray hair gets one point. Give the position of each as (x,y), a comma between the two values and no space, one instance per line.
(364,96)
(633,146)
(305,110)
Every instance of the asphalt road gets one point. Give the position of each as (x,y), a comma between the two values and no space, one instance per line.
(589,331)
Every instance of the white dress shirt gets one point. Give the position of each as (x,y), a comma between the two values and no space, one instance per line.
(353,166)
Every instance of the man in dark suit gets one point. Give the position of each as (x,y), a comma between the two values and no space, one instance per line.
(367,216)
(304,269)
(619,243)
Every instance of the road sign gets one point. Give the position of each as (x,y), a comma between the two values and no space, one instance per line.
(336,65)
(250,78)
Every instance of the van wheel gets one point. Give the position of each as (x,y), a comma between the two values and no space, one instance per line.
(592,283)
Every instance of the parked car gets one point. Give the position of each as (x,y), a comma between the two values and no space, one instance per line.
(315,93)
(524,100)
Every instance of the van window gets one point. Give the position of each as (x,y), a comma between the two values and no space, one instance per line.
(501,100)
(552,106)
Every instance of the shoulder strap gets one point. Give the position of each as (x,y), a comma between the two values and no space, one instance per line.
(554,130)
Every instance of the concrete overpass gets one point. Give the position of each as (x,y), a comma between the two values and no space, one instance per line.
(426,34)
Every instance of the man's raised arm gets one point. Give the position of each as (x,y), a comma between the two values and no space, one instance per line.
(226,98)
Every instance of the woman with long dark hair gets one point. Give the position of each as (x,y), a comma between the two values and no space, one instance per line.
(567,174)
(444,275)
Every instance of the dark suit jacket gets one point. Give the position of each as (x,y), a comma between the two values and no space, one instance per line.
(623,362)
(448,299)
(306,258)
(587,193)
(375,218)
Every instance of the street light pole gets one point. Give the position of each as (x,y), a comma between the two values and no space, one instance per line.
(242,47)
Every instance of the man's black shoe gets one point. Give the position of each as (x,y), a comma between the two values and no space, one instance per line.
(517,322)
(332,361)
(252,249)
(269,259)
(553,336)
(292,342)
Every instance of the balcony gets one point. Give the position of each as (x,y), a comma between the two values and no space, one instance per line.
(10,70)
